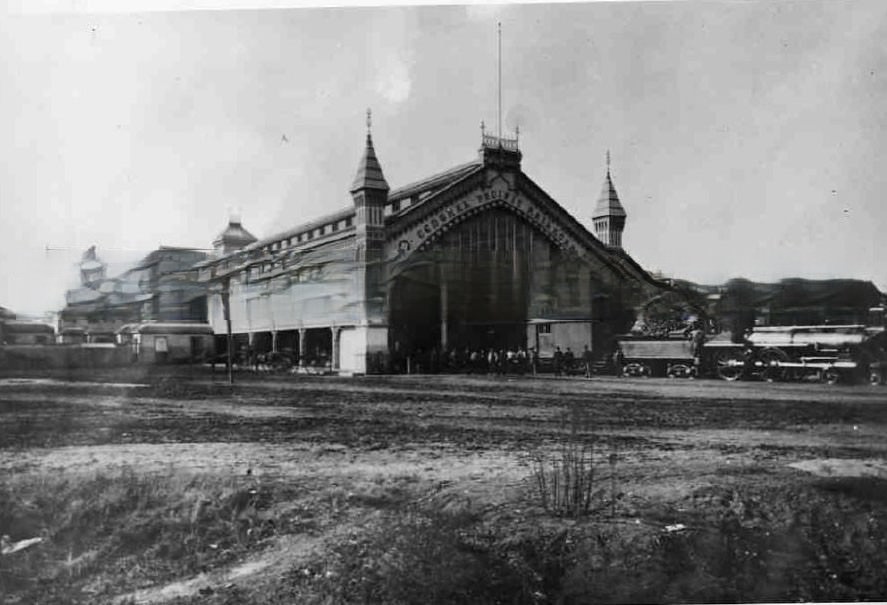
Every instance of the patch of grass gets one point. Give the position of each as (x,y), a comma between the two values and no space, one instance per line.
(107,533)
(412,556)
(774,545)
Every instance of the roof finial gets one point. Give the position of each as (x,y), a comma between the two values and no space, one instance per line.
(369,120)
(608,162)
(499,29)
(483,128)
(517,133)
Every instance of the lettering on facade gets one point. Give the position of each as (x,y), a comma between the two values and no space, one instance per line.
(440,220)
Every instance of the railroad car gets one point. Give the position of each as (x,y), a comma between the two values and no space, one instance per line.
(829,353)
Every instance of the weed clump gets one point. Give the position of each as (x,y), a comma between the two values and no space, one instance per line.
(569,480)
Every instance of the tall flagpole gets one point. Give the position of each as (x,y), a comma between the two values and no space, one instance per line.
(500,81)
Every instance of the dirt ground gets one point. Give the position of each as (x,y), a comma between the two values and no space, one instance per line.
(338,454)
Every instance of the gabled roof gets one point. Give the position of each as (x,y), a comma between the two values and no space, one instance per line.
(608,203)
(369,172)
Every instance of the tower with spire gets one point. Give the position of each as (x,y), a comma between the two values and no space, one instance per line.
(370,193)
(609,215)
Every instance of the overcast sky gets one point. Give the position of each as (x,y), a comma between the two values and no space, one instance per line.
(748,138)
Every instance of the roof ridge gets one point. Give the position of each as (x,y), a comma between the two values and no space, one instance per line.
(400,191)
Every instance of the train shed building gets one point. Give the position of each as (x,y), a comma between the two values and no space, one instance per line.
(476,257)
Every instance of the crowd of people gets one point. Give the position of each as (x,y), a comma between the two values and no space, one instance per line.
(501,361)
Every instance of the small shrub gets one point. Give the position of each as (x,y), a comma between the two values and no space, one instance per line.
(568,481)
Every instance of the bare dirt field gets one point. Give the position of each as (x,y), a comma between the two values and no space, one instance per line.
(417,489)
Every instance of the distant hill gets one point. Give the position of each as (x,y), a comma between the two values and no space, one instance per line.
(791,301)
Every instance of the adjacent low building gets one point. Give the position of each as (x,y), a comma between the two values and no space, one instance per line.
(167,342)
(161,287)
(21,332)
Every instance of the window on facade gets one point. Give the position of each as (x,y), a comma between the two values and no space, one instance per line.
(544,328)
(395,206)
(348,221)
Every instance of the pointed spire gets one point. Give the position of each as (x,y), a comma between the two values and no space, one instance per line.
(608,203)
(369,171)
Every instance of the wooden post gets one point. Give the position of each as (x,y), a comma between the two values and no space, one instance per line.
(303,346)
(443,315)
(334,349)
(226,310)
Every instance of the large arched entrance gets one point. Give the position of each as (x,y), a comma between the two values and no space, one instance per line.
(479,285)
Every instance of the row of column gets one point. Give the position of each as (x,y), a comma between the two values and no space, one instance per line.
(303,344)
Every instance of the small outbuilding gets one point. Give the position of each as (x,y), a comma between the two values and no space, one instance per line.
(19,332)
(168,342)
(72,336)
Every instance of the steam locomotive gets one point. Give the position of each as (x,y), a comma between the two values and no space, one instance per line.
(827,353)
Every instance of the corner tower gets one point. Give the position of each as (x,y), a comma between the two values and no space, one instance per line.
(370,193)
(609,215)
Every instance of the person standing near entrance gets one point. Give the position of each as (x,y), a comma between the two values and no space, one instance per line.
(586,358)
(558,361)
(569,362)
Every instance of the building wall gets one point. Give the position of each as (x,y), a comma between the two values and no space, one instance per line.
(546,337)
(73,356)
(319,293)
(173,348)
(28,338)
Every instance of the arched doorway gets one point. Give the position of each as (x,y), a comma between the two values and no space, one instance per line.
(478,286)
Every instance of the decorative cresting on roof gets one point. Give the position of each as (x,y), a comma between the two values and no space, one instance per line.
(608,203)
(369,172)
(491,141)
